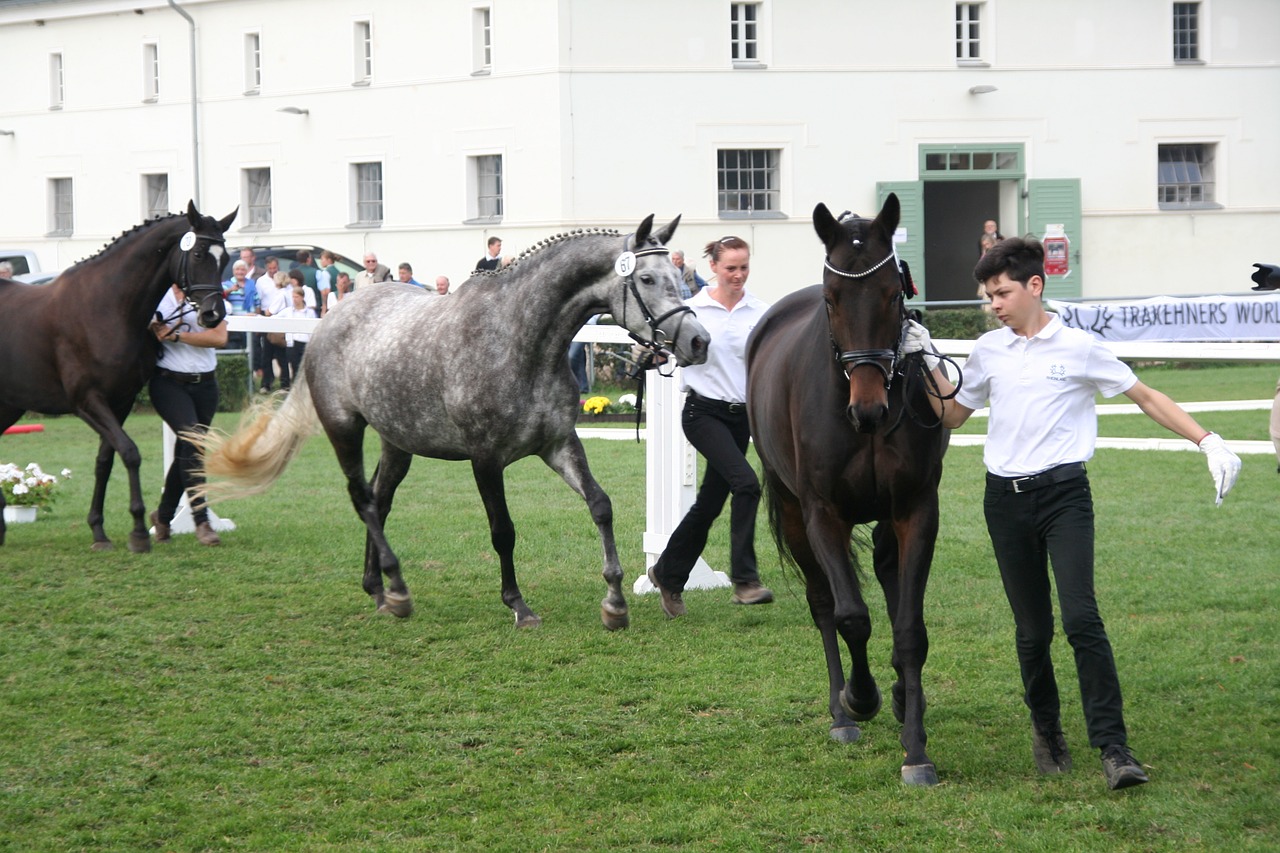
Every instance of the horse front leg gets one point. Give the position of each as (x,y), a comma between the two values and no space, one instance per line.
(502,534)
(379,559)
(570,462)
(109,425)
(828,536)
(915,539)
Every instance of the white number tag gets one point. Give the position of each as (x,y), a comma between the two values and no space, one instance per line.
(188,240)
(625,264)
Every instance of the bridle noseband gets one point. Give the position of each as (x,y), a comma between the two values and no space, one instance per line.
(850,359)
(184,273)
(659,339)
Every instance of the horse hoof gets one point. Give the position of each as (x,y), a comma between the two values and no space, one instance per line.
(104,545)
(531,620)
(919,775)
(140,544)
(860,713)
(845,734)
(614,619)
(399,604)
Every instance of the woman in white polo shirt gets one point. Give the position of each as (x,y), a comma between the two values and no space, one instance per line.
(715,422)
(1039,378)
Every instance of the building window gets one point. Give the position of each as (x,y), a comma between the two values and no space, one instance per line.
(1186,32)
(252,63)
(57,90)
(155,196)
(482,40)
(748,180)
(968,32)
(1186,176)
(485,179)
(744,33)
(368,185)
(363,52)
(257,198)
(150,72)
(61,208)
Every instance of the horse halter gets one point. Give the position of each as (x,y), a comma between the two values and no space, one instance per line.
(849,359)
(659,339)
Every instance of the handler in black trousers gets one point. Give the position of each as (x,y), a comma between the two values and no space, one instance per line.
(184,392)
(1039,378)
(715,422)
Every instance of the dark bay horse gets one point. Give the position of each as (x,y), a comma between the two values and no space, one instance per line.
(81,344)
(480,375)
(847,437)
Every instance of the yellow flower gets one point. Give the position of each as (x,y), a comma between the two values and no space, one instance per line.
(595,405)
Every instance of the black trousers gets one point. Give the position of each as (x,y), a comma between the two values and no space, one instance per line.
(1053,526)
(183,406)
(280,357)
(721,436)
(294,356)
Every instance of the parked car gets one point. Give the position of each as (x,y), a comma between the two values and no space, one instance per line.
(287,256)
(22,260)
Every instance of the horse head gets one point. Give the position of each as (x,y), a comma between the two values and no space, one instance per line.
(863,287)
(648,304)
(196,264)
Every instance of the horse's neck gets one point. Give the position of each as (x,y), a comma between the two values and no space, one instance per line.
(561,290)
(137,279)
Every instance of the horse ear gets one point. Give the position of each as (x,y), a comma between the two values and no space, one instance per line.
(225,222)
(889,216)
(829,231)
(193,215)
(664,235)
(642,233)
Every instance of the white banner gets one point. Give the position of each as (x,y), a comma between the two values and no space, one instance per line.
(1169,318)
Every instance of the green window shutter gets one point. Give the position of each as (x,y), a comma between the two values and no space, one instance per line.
(1057,202)
(911,198)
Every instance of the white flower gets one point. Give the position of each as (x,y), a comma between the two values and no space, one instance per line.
(629,399)
(20,489)
(66,472)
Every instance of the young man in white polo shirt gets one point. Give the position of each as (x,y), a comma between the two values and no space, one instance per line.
(1039,379)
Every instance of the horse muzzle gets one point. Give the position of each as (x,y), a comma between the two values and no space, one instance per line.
(212,310)
(691,342)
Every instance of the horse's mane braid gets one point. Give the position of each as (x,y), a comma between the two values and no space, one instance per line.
(107,247)
(545,243)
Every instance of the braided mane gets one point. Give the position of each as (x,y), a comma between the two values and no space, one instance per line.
(541,245)
(115,244)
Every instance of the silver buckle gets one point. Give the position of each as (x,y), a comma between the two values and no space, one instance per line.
(1016,489)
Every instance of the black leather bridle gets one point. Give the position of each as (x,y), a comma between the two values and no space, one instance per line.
(884,360)
(659,339)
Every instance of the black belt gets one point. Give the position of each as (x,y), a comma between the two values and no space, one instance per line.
(723,405)
(1057,474)
(187,378)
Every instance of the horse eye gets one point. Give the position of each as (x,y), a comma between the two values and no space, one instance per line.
(646,278)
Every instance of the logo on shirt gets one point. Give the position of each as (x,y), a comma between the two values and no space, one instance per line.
(1057,373)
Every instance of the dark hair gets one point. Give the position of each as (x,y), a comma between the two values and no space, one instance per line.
(296,275)
(715,247)
(1022,258)
(405,266)
(303,256)
(493,240)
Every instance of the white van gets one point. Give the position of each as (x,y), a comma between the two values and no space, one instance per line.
(22,260)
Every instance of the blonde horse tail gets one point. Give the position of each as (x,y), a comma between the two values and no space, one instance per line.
(251,459)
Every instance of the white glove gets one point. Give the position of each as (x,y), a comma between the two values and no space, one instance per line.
(1224,465)
(916,339)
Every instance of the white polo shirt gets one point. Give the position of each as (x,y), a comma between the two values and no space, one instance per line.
(723,376)
(1041,394)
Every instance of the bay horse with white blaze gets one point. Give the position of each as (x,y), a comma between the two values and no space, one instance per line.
(846,436)
(479,375)
(81,344)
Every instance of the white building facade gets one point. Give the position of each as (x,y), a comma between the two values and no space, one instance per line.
(1148,130)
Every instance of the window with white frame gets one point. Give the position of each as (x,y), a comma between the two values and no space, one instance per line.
(749,181)
(485,181)
(150,72)
(969,32)
(744,33)
(256,187)
(1185,176)
(252,63)
(57,87)
(363,52)
(61,208)
(482,39)
(1186,32)
(155,196)
(368,192)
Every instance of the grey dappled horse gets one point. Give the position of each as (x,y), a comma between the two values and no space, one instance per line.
(481,375)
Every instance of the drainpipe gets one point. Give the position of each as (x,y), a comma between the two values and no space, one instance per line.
(195,127)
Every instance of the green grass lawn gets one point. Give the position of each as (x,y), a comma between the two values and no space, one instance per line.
(248,698)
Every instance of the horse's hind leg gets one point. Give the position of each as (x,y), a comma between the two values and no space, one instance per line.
(102,466)
(110,425)
(392,468)
(348,445)
(502,533)
(570,462)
